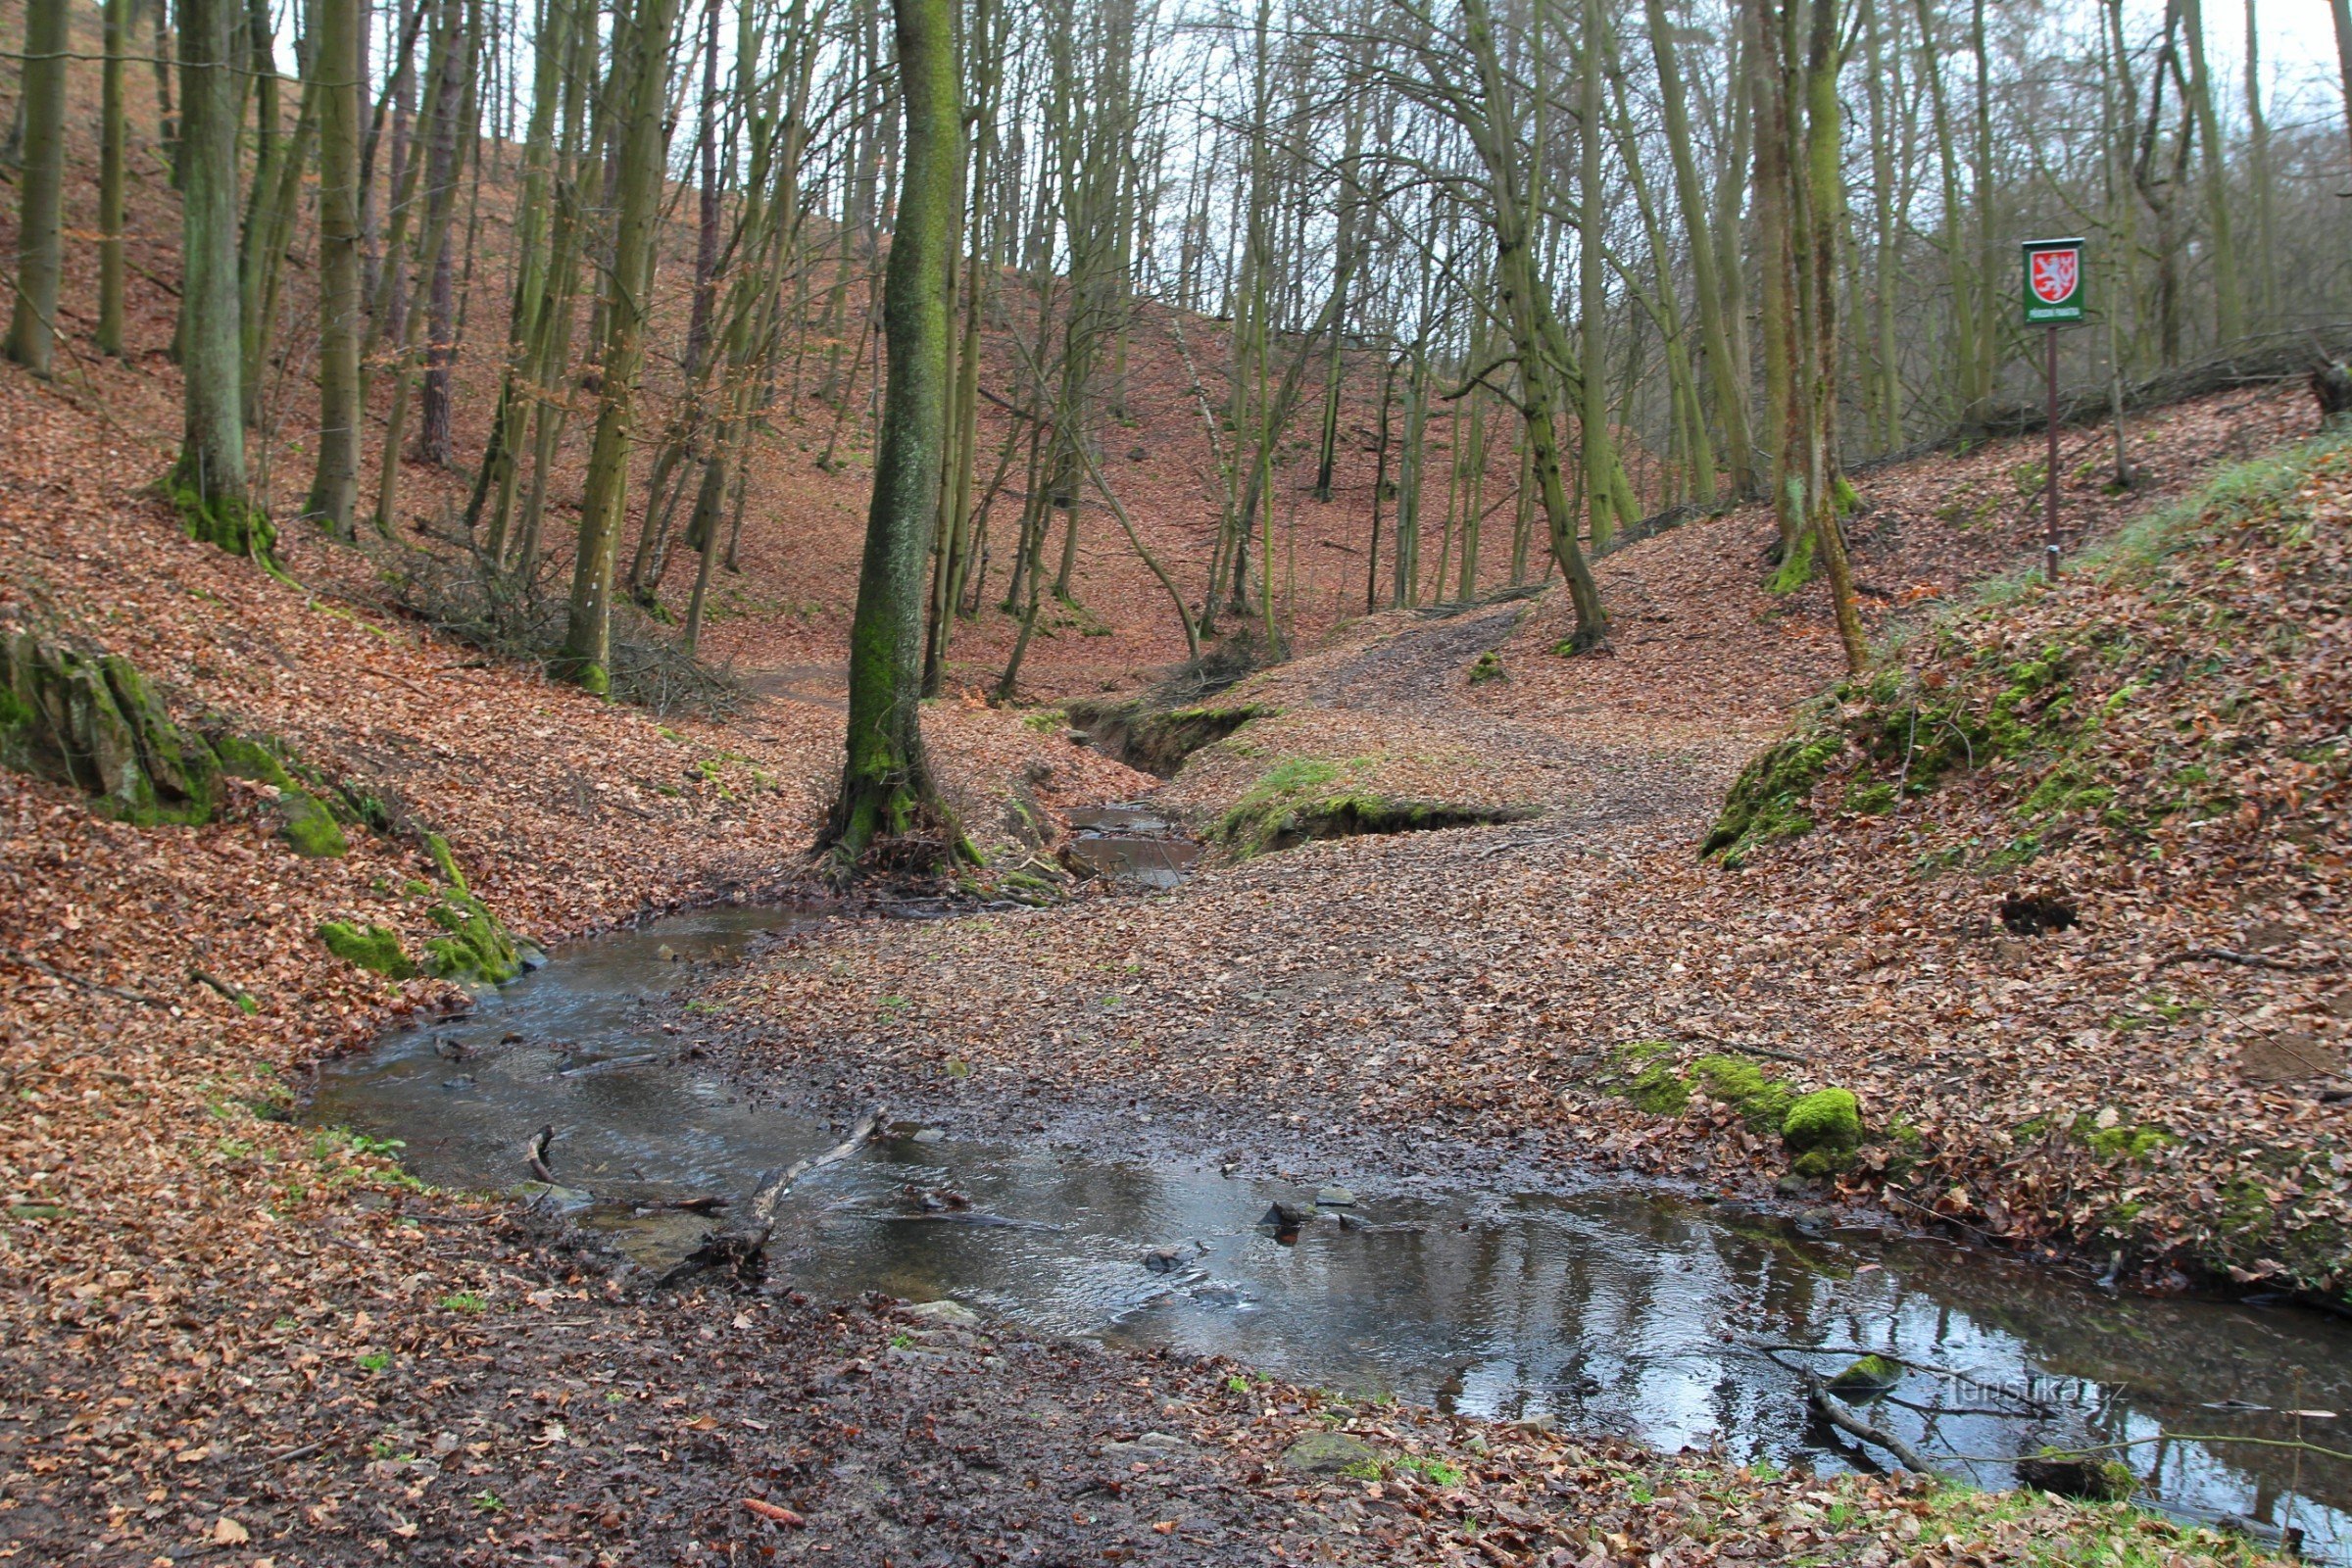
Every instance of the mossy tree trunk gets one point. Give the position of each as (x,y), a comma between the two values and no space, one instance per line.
(208,480)
(588,638)
(32,327)
(886,785)
(335,57)
(112,141)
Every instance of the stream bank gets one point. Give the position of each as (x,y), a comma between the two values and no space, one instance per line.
(1595,1309)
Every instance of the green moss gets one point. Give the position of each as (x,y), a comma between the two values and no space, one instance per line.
(93,722)
(373,948)
(1297,801)
(1825,1121)
(1769,799)
(445,862)
(1763,1102)
(1870,799)
(308,827)
(242,757)
(1659,1090)
(2122,1141)
(479,948)
(1488,667)
(1868,1377)
(1796,568)
(229,523)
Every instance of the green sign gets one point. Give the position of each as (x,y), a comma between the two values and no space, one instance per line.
(2054,281)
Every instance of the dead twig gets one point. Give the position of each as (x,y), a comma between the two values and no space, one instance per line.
(28,961)
(535,1154)
(2252,960)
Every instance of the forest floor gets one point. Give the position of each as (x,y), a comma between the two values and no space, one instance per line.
(230,1337)
(1561,994)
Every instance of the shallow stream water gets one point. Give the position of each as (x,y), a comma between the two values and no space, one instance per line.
(1609,1308)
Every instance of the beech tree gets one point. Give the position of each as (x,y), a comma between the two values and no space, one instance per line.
(33,323)
(886,784)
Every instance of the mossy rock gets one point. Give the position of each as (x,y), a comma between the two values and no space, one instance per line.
(2085,1476)
(1769,799)
(308,827)
(1867,1378)
(1824,1125)
(373,948)
(1763,1102)
(242,757)
(95,724)
(1330,1453)
(480,949)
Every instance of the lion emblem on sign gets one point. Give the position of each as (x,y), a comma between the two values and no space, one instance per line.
(2054,274)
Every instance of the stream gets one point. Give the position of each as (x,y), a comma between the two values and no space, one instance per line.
(1610,1308)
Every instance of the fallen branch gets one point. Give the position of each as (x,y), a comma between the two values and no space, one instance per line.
(535,1152)
(1853,1426)
(53,973)
(237,996)
(741,1246)
(2252,960)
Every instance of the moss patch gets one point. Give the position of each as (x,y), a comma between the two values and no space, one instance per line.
(307,826)
(1823,1129)
(374,947)
(479,948)
(1867,1378)
(1659,1090)
(1763,1102)
(242,757)
(1769,798)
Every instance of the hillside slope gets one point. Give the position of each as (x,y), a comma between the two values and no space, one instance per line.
(1585,989)
(2119,804)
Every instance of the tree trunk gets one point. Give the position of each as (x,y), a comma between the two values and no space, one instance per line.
(886,786)
(1729,396)
(336,49)
(586,652)
(113,142)
(209,481)
(2229,304)
(32,326)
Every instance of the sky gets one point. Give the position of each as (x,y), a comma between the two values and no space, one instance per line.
(2298,47)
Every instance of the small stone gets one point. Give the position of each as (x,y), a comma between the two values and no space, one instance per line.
(1334,1197)
(1867,1379)
(1163,1259)
(929,1135)
(1328,1453)
(2102,1481)
(554,1199)
(944,1312)
(1286,1217)
(1793,1186)
(666,954)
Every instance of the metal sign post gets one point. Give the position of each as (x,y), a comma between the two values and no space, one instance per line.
(2053,296)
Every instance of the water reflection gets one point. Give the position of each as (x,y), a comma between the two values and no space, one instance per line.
(1608,1309)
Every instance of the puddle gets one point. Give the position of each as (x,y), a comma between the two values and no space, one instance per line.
(1130,842)
(1610,1309)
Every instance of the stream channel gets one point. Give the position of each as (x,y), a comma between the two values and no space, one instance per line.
(1609,1308)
